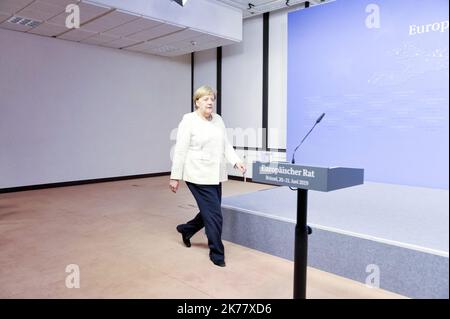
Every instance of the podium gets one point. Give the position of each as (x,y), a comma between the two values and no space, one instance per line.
(303,178)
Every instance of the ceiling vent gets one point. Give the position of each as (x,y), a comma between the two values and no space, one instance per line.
(24,21)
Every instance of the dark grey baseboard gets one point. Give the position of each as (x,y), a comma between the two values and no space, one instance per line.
(79,182)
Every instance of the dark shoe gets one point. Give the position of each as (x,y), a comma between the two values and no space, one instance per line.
(219,263)
(186,240)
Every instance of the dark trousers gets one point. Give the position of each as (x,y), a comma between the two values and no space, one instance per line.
(209,199)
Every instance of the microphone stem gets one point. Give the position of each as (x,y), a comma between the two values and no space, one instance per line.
(293,158)
(308,133)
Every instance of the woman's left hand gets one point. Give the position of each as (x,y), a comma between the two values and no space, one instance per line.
(241,167)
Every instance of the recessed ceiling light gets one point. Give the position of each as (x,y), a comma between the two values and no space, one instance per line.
(24,21)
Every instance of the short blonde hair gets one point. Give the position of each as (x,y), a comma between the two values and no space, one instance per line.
(201,92)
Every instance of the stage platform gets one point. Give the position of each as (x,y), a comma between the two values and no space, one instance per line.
(398,232)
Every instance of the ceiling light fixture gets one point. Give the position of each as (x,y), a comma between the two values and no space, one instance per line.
(250,6)
(181,2)
(24,21)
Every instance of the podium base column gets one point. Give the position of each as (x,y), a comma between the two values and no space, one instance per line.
(301,245)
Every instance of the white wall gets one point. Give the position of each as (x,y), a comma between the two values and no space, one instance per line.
(205,68)
(242,86)
(70,111)
(242,81)
(277,110)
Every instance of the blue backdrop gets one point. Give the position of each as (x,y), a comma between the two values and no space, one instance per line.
(382,80)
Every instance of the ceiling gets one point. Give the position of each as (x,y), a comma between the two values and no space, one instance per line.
(114,28)
(252,8)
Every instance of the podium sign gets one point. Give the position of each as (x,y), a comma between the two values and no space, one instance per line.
(306,177)
(303,178)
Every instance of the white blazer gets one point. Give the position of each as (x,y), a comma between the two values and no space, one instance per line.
(202,150)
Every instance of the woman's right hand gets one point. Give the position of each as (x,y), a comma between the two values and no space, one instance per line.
(241,167)
(173,184)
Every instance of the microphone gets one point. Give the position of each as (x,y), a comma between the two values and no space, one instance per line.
(320,118)
(317,122)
